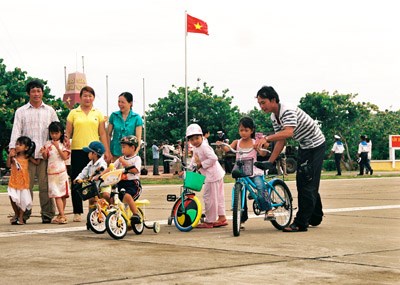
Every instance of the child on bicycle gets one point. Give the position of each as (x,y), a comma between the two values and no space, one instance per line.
(56,154)
(96,165)
(129,182)
(247,141)
(206,161)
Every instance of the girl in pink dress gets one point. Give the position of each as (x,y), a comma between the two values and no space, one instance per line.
(57,153)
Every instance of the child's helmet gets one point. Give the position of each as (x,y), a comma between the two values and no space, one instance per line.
(130,140)
(193,129)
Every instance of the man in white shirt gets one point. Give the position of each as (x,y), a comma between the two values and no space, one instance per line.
(33,120)
(337,150)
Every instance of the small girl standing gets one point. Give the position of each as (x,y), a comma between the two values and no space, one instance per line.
(246,142)
(206,161)
(18,185)
(57,153)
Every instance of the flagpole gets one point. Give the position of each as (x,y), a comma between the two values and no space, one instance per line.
(144,125)
(186,91)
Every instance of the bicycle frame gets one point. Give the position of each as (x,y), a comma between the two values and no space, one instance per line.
(249,186)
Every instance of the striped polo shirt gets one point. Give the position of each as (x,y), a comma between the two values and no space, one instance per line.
(306,130)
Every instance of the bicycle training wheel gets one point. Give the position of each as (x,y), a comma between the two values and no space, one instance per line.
(138,228)
(116,225)
(187,218)
(281,199)
(237,208)
(96,221)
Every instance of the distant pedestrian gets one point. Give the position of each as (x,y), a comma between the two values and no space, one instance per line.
(369,142)
(221,136)
(166,149)
(206,135)
(281,162)
(362,153)
(337,150)
(156,157)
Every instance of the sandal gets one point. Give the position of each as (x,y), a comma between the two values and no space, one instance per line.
(56,220)
(220,224)
(62,220)
(14,220)
(205,226)
(293,228)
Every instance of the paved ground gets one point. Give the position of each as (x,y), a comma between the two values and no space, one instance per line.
(358,243)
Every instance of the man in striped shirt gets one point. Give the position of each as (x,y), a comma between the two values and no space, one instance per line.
(33,120)
(292,122)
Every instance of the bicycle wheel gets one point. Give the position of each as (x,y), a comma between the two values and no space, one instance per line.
(281,199)
(188,218)
(116,225)
(96,221)
(138,228)
(237,208)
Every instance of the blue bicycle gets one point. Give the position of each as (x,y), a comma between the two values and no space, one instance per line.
(277,193)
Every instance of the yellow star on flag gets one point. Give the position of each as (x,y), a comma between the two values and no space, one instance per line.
(198,26)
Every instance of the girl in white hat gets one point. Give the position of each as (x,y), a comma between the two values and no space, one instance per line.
(206,161)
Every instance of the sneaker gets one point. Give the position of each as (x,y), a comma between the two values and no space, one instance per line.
(46,220)
(269,216)
(371,172)
(77,218)
(135,219)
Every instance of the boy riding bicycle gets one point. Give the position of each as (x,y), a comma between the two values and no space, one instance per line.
(129,188)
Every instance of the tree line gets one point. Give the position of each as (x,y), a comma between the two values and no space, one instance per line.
(165,120)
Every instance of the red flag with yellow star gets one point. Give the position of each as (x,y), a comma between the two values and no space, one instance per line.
(195,25)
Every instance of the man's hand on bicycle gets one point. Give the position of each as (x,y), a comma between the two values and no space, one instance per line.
(261,143)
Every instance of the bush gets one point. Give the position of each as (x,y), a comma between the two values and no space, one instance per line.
(329,165)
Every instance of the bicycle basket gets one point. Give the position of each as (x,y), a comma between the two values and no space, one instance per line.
(193,181)
(87,191)
(243,167)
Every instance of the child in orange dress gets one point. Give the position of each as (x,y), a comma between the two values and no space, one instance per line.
(18,185)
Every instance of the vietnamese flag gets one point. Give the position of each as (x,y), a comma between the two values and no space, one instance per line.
(195,25)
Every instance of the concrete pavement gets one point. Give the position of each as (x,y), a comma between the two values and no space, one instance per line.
(357,243)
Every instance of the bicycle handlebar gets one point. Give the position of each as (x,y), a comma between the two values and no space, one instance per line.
(173,157)
(239,151)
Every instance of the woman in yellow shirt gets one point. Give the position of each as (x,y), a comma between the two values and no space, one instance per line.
(84,125)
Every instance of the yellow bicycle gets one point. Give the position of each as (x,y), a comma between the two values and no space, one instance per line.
(118,219)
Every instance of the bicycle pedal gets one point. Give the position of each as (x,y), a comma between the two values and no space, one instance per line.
(171,197)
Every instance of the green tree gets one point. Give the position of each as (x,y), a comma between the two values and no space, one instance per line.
(340,115)
(165,120)
(13,96)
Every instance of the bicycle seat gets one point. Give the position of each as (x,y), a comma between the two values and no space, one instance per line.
(265,165)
